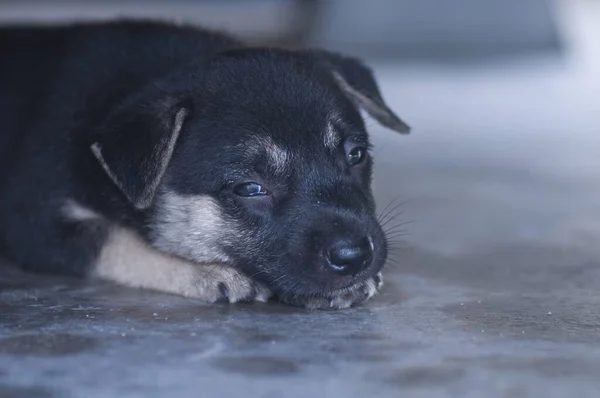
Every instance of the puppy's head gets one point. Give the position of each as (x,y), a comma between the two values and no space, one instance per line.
(259,159)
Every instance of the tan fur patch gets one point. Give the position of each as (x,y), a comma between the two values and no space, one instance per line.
(278,157)
(77,212)
(190,226)
(332,137)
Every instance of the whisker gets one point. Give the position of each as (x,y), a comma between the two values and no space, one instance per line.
(390,208)
(391,203)
(393,218)
(391,238)
(395,228)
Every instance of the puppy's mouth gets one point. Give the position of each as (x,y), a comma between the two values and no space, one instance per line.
(323,290)
(351,295)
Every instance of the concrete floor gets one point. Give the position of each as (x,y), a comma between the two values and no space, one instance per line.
(494,292)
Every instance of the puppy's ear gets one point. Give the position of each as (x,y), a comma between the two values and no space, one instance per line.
(359,84)
(135,145)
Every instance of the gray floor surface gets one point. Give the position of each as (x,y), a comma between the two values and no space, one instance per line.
(493,292)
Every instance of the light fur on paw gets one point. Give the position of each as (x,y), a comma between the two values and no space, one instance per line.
(340,299)
(217,283)
(127,260)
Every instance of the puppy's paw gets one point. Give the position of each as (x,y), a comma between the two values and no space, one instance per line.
(340,299)
(222,284)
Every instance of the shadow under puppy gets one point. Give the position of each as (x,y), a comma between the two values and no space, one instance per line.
(176,159)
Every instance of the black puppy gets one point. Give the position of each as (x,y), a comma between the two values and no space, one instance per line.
(176,159)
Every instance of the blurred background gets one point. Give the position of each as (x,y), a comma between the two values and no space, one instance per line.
(503,97)
(495,290)
(393,29)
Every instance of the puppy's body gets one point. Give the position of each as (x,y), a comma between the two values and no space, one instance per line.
(123,147)
(57,84)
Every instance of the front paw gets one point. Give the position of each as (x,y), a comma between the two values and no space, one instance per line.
(340,299)
(220,284)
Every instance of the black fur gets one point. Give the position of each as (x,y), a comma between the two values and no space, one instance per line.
(120,85)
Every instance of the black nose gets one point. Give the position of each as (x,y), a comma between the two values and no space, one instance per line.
(349,258)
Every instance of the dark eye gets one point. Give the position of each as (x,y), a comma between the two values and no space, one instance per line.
(248,189)
(356,155)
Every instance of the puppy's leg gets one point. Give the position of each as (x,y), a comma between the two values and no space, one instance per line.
(126,259)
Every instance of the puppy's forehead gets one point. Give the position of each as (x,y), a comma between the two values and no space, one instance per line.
(280,145)
(288,106)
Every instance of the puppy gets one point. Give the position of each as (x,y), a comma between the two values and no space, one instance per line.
(176,159)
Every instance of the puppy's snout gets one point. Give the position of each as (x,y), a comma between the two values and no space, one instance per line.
(350,257)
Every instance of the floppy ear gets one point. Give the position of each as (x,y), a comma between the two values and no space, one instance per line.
(357,81)
(135,146)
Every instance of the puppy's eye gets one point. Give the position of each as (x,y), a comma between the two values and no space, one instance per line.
(249,189)
(356,155)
